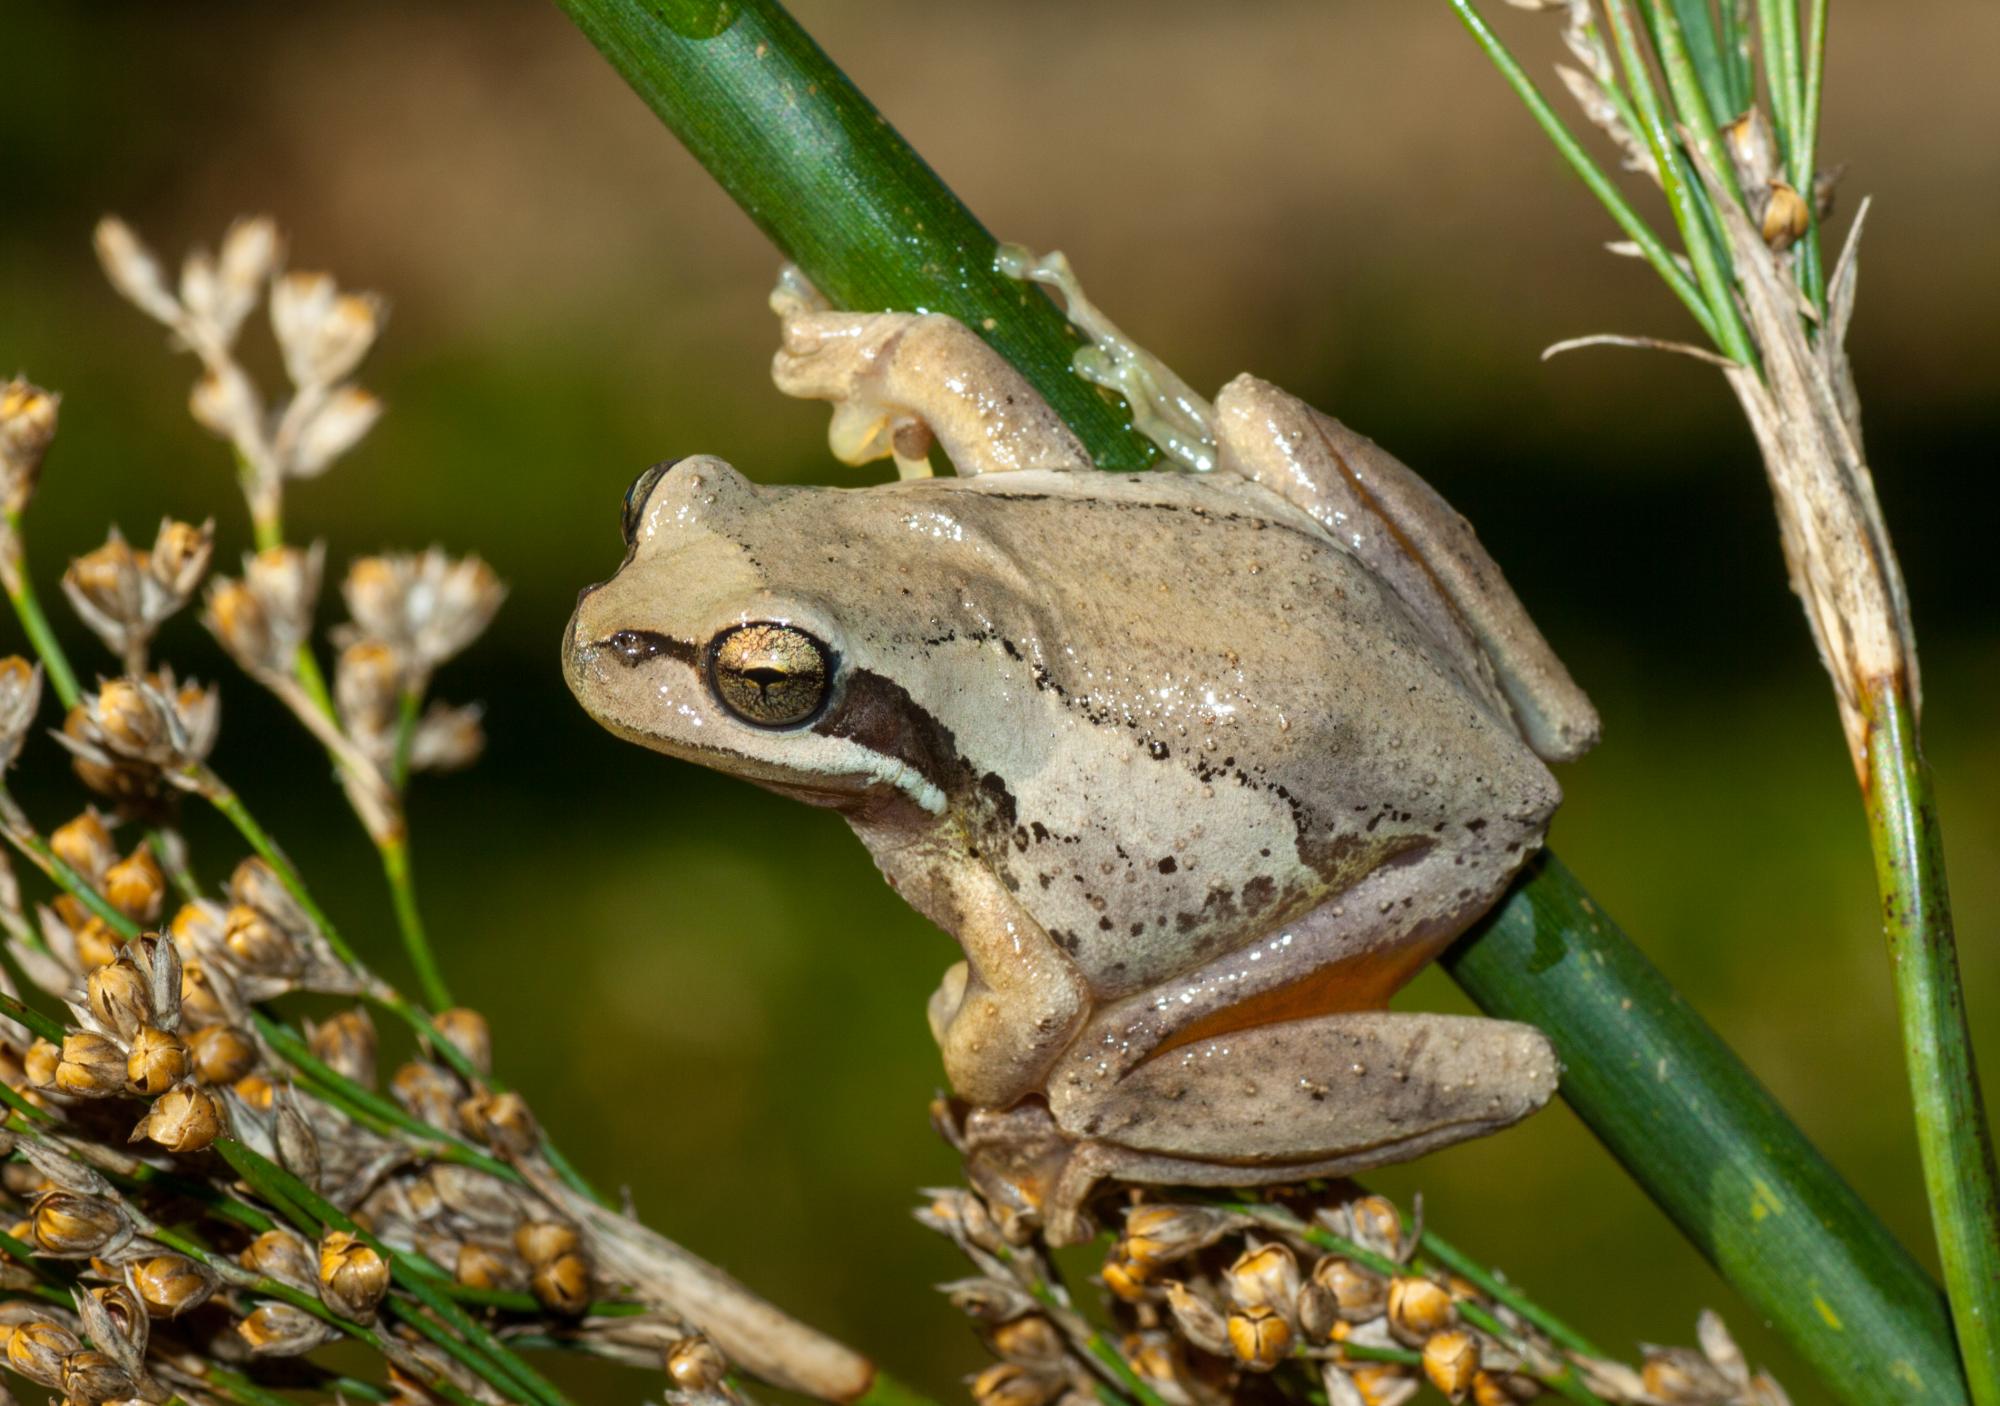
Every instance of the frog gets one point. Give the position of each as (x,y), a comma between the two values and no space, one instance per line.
(1199,766)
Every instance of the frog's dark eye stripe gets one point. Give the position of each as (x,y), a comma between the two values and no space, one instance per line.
(635,500)
(770,674)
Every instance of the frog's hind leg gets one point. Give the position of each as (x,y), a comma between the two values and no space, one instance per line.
(899,381)
(1388,516)
(1326,1097)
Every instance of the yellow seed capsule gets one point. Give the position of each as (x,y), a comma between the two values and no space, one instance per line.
(353,1276)
(84,844)
(1029,1338)
(1264,1276)
(91,1375)
(36,1350)
(200,1005)
(92,1066)
(1157,1235)
(73,1224)
(118,997)
(1418,1308)
(469,1033)
(480,1266)
(563,1284)
(158,1061)
(1504,1388)
(257,1091)
(1259,1337)
(1786,218)
(1377,1224)
(169,1285)
(1451,1359)
(367,686)
(1011,1384)
(221,1054)
(97,944)
(346,1041)
(696,1364)
(136,887)
(1358,1294)
(1379,1382)
(427,1092)
(186,1119)
(257,944)
(1125,1278)
(280,1330)
(282,1255)
(39,1064)
(540,1242)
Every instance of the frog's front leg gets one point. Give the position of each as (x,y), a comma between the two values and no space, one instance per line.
(900,380)
(1328,1096)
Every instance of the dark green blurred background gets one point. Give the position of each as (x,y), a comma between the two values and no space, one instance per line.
(706,990)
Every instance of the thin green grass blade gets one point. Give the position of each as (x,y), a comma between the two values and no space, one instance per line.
(1812,276)
(1707,1143)
(1739,70)
(1704,47)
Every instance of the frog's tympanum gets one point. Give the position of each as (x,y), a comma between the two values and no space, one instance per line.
(1198,768)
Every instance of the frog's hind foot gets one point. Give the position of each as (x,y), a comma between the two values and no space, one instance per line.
(900,381)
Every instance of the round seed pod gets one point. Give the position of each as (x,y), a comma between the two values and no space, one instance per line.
(221,1054)
(1259,1337)
(157,1062)
(1451,1361)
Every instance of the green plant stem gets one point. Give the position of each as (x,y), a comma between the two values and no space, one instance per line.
(1458,1262)
(837,189)
(1686,84)
(47,1027)
(1709,1145)
(1805,178)
(395,853)
(1952,1132)
(1593,176)
(217,793)
(28,606)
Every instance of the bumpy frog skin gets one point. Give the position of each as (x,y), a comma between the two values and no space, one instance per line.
(1197,768)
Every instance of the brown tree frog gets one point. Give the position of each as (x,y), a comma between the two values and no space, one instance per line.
(1198,767)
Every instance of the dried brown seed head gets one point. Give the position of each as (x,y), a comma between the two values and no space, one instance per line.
(447,738)
(367,689)
(1260,1337)
(427,606)
(170,1285)
(469,1033)
(183,1120)
(340,423)
(85,845)
(1417,1308)
(1159,1234)
(27,427)
(1681,1376)
(541,1242)
(1011,1384)
(322,332)
(695,1363)
(180,557)
(221,1054)
(200,1005)
(118,997)
(481,1266)
(563,1284)
(1451,1359)
(1200,1322)
(97,944)
(1030,1338)
(258,945)
(36,1350)
(502,1121)
(92,1066)
(73,1225)
(39,1065)
(257,1091)
(136,887)
(1377,1224)
(158,1061)
(1264,1276)
(1382,1383)
(1503,1388)
(282,1255)
(280,1330)
(427,1092)
(20,700)
(353,1276)
(1357,1294)
(1786,218)
(346,1041)
(1125,1278)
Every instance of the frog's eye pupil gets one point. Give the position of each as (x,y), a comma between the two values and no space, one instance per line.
(634,511)
(770,674)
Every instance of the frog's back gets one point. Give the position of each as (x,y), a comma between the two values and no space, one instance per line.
(1183,714)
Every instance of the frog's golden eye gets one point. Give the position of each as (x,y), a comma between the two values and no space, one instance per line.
(769,674)
(635,501)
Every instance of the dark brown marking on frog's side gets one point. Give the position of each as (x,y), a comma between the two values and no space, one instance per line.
(879,714)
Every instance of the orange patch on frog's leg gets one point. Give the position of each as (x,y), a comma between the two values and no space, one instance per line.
(1364,982)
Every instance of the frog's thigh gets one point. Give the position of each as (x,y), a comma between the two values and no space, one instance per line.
(897,380)
(1379,508)
(1325,1096)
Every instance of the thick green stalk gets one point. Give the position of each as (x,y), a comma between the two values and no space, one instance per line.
(1952,1133)
(1706,1142)
(1711,1147)
(837,189)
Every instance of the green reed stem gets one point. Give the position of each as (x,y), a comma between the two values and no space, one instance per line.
(28,607)
(1805,178)
(410,922)
(1952,1134)
(47,1027)
(1592,175)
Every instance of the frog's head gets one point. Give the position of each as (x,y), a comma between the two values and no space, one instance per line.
(719,640)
